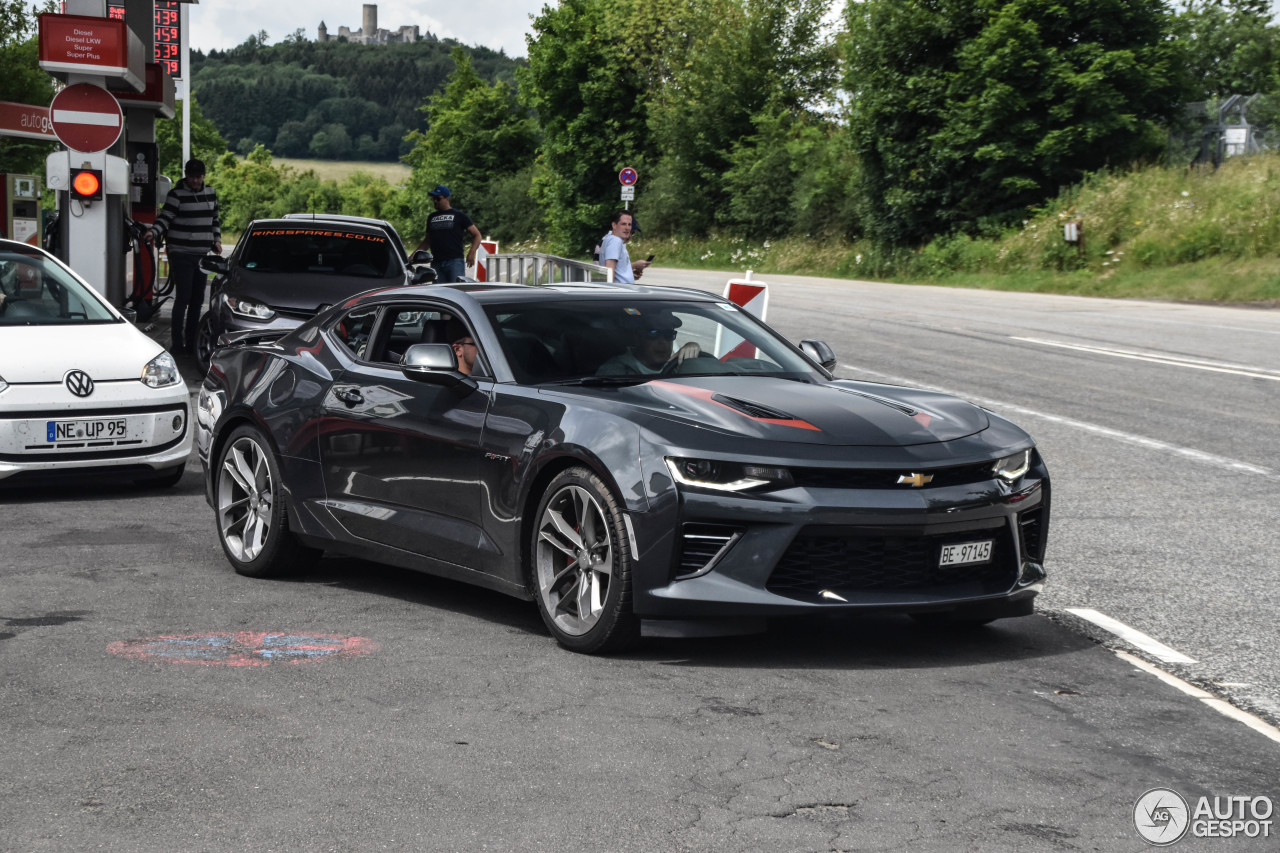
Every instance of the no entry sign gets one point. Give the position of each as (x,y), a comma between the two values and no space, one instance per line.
(86,118)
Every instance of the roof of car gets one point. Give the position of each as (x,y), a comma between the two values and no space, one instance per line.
(500,292)
(362,226)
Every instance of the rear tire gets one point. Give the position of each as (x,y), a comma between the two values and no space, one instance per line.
(580,565)
(251,519)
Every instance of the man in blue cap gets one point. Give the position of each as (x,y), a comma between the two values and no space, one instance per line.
(446,230)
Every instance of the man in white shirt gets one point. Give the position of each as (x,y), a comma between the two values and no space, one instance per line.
(613,251)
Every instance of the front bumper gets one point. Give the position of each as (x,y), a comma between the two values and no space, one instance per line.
(159,438)
(806,550)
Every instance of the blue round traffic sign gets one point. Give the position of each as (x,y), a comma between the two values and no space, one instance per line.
(628,177)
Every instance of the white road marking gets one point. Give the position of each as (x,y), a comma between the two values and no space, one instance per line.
(1224,462)
(1221,706)
(1156,358)
(1132,636)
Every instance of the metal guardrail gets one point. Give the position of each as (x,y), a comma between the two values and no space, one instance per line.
(537,268)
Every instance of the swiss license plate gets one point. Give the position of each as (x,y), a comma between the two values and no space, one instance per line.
(101,429)
(964,553)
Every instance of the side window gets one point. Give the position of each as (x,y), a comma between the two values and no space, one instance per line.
(353,330)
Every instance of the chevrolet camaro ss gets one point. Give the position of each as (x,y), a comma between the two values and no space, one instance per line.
(637,461)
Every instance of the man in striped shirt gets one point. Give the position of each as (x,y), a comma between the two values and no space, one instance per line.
(191,228)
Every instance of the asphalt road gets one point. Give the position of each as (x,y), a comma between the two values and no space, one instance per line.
(446,719)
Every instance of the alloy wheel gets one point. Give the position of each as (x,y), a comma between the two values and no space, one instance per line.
(574,559)
(244,499)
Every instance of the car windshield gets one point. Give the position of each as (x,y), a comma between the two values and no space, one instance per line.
(618,342)
(35,291)
(320,250)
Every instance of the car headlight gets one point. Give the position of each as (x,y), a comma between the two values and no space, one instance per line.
(161,371)
(726,476)
(1012,467)
(250,308)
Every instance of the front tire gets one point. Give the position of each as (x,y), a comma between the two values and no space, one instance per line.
(581,565)
(252,522)
(206,340)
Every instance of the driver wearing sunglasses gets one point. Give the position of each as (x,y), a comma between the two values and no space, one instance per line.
(650,349)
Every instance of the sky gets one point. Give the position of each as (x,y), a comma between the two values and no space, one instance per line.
(496,24)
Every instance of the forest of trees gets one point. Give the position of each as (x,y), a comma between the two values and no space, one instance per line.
(895,121)
(331,100)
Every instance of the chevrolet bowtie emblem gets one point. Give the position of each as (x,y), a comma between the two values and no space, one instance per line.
(915,480)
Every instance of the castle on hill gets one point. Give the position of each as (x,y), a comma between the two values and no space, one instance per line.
(369,32)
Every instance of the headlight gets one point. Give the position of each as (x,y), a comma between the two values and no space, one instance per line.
(725,476)
(249,308)
(161,371)
(1012,467)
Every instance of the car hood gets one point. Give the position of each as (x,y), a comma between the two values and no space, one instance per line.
(304,292)
(105,351)
(835,413)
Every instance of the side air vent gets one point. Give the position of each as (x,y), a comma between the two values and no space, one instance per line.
(702,546)
(755,410)
(1031,529)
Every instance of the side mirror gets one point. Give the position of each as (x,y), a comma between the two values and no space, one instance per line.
(130,315)
(435,364)
(820,353)
(215,264)
(422,275)
(422,256)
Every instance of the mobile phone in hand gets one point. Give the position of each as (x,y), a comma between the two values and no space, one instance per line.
(649,259)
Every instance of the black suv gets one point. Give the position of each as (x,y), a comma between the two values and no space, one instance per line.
(283,272)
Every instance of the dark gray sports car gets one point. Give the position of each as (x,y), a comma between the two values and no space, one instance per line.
(643,461)
(285,271)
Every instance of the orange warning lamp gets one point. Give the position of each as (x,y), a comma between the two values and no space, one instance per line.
(86,185)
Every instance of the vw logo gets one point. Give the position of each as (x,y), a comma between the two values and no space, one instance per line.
(79,383)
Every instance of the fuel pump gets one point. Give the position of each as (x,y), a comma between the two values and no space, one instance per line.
(20,206)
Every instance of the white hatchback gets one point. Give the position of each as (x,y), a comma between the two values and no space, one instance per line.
(82,391)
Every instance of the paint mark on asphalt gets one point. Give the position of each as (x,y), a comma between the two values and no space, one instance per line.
(242,648)
(1132,636)
(1220,705)
(1157,358)
(1223,462)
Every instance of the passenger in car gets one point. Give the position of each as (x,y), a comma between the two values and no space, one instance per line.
(465,349)
(653,336)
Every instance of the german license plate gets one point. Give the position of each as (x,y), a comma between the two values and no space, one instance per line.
(965,553)
(99,429)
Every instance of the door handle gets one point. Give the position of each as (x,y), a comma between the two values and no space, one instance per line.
(350,396)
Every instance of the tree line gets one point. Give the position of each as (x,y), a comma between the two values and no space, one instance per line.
(327,100)
(904,121)
(895,121)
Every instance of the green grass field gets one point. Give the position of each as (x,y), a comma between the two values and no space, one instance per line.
(335,170)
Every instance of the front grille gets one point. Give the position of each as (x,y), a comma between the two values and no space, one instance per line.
(701,545)
(1031,529)
(851,478)
(815,562)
